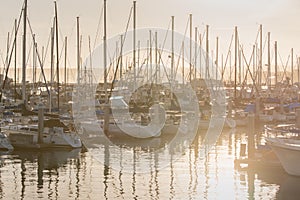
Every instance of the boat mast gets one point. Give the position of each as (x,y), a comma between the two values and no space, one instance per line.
(106,118)
(78,52)
(235,61)
(121,57)
(260,58)
(269,62)
(150,55)
(16,35)
(51,70)
(134,42)
(292,66)
(66,43)
(207,54)
(156,58)
(34,55)
(183,82)
(91,61)
(172,53)
(217,57)
(276,63)
(24,55)
(200,57)
(196,48)
(57,54)
(191,35)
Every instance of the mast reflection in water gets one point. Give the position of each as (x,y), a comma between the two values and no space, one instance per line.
(77,175)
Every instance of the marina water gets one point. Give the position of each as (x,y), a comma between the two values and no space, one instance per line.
(63,174)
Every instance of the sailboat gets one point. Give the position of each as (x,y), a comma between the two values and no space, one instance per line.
(4,142)
(288,153)
(46,134)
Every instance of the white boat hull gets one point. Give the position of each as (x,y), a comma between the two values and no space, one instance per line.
(5,143)
(24,137)
(288,152)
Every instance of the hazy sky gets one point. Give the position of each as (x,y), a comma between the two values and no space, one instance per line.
(280,17)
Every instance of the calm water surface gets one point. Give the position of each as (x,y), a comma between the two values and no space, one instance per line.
(136,172)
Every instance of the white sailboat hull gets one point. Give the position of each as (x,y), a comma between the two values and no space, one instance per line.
(5,143)
(288,152)
(21,138)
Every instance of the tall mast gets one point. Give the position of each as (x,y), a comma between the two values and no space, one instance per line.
(269,62)
(235,60)
(207,54)
(105,53)
(150,54)
(253,64)
(121,57)
(78,52)
(51,70)
(260,57)
(33,61)
(134,42)
(106,117)
(172,53)
(217,57)
(240,63)
(196,52)
(24,55)
(183,82)
(276,63)
(292,66)
(7,54)
(65,74)
(91,60)
(16,35)
(200,59)
(156,58)
(191,35)
(138,57)
(57,54)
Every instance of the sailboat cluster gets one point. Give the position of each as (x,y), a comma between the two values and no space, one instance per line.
(155,89)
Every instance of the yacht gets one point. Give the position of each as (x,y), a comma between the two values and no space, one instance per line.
(4,142)
(27,136)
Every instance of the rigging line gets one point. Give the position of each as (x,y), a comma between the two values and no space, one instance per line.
(39,58)
(144,58)
(28,56)
(46,50)
(285,67)
(245,61)
(227,57)
(126,30)
(98,27)
(248,69)
(162,62)
(265,44)
(165,39)
(6,74)
(166,35)
(62,51)
(60,56)
(178,61)
(186,27)
(10,47)
(72,32)
(12,33)
(119,58)
(255,42)
(2,59)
